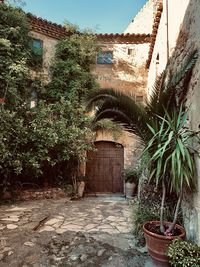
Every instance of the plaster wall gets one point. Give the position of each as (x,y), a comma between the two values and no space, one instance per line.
(128,72)
(129,75)
(143,21)
(176,13)
(184,37)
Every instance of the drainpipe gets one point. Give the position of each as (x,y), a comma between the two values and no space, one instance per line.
(167,28)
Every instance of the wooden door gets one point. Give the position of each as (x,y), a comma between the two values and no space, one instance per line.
(104,168)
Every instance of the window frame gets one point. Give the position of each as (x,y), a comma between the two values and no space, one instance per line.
(102,60)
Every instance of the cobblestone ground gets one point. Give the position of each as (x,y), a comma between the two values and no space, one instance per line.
(89,232)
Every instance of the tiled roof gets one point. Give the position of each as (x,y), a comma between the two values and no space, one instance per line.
(46,27)
(124,38)
(154,32)
(58,31)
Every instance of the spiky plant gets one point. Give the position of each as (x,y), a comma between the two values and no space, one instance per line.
(159,124)
(171,162)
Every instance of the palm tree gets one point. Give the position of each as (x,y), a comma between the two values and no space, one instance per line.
(168,93)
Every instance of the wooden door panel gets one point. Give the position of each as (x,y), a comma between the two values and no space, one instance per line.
(104,168)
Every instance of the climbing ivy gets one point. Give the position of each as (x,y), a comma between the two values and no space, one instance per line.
(44,142)
(14,55)
(71,77)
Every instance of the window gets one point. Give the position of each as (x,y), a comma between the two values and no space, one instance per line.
(105,57)
(33,99)
(37,46)
(36,58)
(130,51)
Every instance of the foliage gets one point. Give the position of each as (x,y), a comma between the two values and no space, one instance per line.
(147,208)
(184,254)
(70,72)
(70,27)
(132,174)
(121,109)
(171,161)
(41,139)
(110,126)
(45,143)
(141,214)
(134,117)
(11,129)
(14,55)
(170,149)
(160,125)
(36,58)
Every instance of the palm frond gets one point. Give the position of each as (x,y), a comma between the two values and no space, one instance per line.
(96,97)
(155,104)
(126,112)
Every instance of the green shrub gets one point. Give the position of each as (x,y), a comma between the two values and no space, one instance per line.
(148,209)
(184,254)
(141,214)
(132,174)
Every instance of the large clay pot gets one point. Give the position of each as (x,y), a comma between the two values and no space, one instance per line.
(81,188)
(157,244)
(129,189)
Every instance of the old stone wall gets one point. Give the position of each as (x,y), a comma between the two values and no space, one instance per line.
(129,75)
(21,195)
(184,37)
(128,72)
(131,143)
(49,44)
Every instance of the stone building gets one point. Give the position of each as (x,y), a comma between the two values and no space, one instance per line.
(120,65)
(175,34)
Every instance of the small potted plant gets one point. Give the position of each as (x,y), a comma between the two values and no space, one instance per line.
(131,177)
(172,168)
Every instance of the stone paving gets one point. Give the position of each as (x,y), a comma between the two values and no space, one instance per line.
(89,232)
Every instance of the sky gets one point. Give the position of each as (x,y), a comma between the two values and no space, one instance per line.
(103,16)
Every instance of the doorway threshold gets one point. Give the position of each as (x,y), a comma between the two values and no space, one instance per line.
(110,196)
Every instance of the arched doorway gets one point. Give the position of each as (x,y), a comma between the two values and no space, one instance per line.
(104,168)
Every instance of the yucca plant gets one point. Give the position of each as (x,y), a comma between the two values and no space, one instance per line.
(161,126)
(171,163)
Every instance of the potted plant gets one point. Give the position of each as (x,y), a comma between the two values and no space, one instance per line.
(131,177)
(172,167)
(81,181)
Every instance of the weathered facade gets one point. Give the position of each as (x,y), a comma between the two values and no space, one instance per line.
(120,65)
(177,34)
(174,27)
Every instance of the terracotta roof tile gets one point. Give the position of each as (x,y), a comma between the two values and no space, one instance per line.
(154,32)
(124,38)
(58,31)
(46,27)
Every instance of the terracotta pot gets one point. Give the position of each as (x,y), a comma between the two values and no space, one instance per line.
(157,244)
(129,189)
(81,188)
